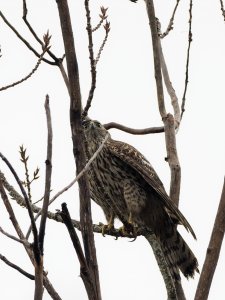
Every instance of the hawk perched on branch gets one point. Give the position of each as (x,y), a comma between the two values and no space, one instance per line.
(127,187)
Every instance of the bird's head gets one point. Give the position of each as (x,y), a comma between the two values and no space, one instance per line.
(94,133)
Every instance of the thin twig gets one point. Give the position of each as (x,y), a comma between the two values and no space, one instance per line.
(12,191)
(25,11)
(48,174)
(102,16)
(132,130)
(170,25)
(92,60)
(12,265)
(24,160)
(222,9)
(85,169)
(27,76)
(187,60)
(28,205)
(24,241)
(107,29)
(25,41)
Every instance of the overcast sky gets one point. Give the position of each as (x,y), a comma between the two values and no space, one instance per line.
(126,94)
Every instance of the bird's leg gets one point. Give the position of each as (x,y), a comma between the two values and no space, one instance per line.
(110,225)
(129,227)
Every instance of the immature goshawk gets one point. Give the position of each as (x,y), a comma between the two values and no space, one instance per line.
(126,186)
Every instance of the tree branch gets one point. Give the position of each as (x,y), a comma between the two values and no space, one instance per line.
(25,41)
(170,25)
(78,143)
(157,63)
(28,76)
(84,270)
(169,86)
(12,265)
(172,291)
(25,11)
(92,60)
(213,251)
(28,205)
(48,175)
(187,60)
(132,130)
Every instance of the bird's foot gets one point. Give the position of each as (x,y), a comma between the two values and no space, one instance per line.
(129,230)
(107,228)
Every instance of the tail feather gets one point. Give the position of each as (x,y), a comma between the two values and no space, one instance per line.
(178,255)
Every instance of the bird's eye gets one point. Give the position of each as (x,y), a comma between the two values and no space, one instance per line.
(98,124)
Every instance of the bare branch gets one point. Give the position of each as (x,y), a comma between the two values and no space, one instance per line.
(28,205)
(25,41)
(213,251)
(12,265)
(84,270)
(78,142)
(48,174)
(172,158)
(107,29)
(157,64)
(169,86)
(102,16)
(24,241)
(169,133)
(26,77)
(92,60)
(170,25)
(187,60)
(132,130)
(21,200)
(222,9)
(25,11)
(85,169)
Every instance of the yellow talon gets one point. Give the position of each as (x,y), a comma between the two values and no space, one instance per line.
(108,227)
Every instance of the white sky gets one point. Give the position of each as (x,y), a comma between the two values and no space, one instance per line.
(125,93)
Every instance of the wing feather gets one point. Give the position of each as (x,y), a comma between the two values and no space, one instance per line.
(137,161)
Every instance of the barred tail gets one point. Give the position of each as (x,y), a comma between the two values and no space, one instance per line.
(178,256)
